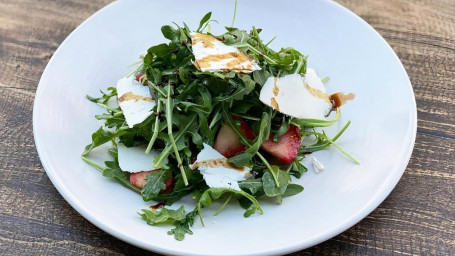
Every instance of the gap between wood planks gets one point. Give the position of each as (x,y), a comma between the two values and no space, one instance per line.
(435,133)
(376,248)
(29,92)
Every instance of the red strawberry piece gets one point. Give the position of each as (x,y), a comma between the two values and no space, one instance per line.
(157,206)
(245,129)
(287,147)
(228,143)
(138,179)
(140,78)
(169,184)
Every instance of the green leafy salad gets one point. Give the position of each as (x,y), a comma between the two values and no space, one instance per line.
(215,117)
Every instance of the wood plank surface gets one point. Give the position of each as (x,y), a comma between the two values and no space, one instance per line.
(418,218)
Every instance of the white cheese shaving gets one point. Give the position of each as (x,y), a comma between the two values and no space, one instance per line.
(297,96)
(212,55)
(134,159)
(217,172)
(317,166)
(134,100)
(142,55)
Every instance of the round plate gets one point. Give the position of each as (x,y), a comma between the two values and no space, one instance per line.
(338,43)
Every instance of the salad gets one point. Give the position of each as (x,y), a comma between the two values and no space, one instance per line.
(216,117)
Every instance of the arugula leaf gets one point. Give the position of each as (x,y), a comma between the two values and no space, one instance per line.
(120,176)
(114,171)
(297,168)
(162,215)
(249,212)
(179,190)
(205,106)
(169,33)
(304,122)
(182,227)
(156,181)
(212,194)
(249,84)
(283,128)
(243,108)
(270,187)
(105,96)
(161,50)
(100,137)
(112,119)
(204,20)
(292,189)
(261,76)
(252,185)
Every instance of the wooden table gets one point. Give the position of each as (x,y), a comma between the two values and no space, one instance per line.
(418,218)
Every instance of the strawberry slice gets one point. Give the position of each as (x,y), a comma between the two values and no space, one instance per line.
(138,180)
(287,147)
(157,206)
(228,143)
(140,79)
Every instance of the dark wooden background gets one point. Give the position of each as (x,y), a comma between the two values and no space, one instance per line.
(418,218)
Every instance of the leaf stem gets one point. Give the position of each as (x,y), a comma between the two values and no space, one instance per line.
(311,123)
(219,75)
(108,107)
(270,168)
(344,152)
(171,136)
(256,34)
(134,71)
(156,128)
(92,163)
(251,48)
(235,12)
(325,79)
(230,97)
(330,141)
(120,113)
(168,72)
(248,117)
(299,66)
(156,88)
(224,204)
(139,62)
(215,119)
(271,40)
(341,131)
(166,151)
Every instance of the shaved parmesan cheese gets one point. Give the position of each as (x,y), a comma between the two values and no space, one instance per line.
(317,166)
(134,100)
(134,159)
(297,96)
(217,171)
(212,55)
(142,55)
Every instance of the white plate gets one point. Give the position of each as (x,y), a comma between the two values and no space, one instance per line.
(339,44)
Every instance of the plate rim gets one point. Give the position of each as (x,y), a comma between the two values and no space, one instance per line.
(348,223)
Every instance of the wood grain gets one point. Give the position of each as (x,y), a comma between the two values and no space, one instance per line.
(418,218)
